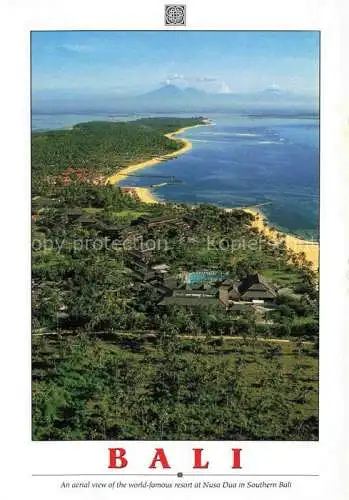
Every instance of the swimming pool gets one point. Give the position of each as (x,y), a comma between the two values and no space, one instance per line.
(196,277)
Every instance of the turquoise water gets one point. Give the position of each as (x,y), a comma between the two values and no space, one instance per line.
(197,277)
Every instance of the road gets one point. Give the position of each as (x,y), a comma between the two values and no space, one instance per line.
(152,334)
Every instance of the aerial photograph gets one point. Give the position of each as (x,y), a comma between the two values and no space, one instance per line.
(175,235)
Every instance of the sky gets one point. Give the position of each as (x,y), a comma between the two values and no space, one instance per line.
(117,63)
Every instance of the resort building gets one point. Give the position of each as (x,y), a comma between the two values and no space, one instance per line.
(139,260)
(131,239)
(185,221)
(190,297)
(199,288)
(110,230)
(228,291)
(253,290)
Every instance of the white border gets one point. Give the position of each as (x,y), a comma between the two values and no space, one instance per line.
(23,457)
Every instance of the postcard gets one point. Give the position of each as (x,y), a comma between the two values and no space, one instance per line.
(181,337)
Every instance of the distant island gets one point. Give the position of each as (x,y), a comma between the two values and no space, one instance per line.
(171,98)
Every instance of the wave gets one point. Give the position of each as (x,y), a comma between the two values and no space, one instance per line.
(245,134)
(231,134)
(200,140)
(268,142)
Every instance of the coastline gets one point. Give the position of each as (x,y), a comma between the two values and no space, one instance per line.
(297,245)
(186,146)
(260,222)
(146,195)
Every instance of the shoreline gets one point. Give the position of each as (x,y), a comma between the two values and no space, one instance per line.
(186,146)
(146,195)
(293,243)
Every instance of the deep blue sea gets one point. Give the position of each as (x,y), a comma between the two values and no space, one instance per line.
(241,160)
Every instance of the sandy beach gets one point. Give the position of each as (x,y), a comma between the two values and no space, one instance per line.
(145,195)
(297,245)
(186,146)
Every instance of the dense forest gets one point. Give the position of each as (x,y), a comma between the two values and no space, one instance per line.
(108,361)
(102,147)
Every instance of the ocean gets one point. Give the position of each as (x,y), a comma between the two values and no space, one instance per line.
(240,161)
(42,122)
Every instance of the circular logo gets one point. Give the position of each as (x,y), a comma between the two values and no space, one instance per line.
(174,14)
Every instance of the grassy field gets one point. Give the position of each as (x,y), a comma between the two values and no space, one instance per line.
(286,277)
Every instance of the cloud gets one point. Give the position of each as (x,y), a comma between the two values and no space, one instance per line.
(202,82)
(76,48)
(224,88)
(213,84)
(274,86)
(179,78)
(175,78)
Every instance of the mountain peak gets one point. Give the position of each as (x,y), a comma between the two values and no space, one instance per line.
(273,90)
(193,90)
(166,90)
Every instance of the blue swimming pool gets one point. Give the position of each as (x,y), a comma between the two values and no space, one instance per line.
(203,277)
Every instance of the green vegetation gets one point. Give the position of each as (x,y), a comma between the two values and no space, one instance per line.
(108,362)
(170,390)
(101,148)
